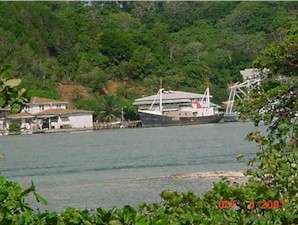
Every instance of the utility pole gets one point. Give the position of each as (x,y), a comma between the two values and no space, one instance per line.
(160,83)
(122,115)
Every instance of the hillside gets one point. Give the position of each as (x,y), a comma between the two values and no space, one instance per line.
(115,52)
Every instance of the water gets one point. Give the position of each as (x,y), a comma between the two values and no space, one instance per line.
(117,167)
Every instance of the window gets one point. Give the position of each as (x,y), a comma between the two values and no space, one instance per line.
(54,119)
(41,107)
(64,119)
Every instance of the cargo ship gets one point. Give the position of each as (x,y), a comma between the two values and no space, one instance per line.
(172,108)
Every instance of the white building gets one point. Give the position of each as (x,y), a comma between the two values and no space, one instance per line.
(64,118)
(37,105)
(48,114)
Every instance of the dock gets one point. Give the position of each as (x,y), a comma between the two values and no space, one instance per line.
(117,125)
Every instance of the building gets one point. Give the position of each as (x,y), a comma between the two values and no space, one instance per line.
(37,105)
(42,114)
(254,73)
(24,120)
(64,118)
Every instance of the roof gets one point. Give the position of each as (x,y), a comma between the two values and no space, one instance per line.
(170,96)
(59,112)
(166,101)
(39,100)
(49,112)
(22,115)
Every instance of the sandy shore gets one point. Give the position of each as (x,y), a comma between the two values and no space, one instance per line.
(235,176)
(209,174)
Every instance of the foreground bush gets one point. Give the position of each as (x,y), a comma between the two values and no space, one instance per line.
(175,208)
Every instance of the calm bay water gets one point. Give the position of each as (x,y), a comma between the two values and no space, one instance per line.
(118,167)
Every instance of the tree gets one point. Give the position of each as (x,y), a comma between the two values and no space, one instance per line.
(144,62)
(117,46)
(14,127)
(282,58)
(10,92)
(275,103)
(110,108)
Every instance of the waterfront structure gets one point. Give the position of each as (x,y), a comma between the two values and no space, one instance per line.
(25,121)
(177,108)
(3,113)
(64,118)
(42,114)
(251,78)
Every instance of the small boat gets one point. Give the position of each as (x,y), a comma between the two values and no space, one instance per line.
(170,108)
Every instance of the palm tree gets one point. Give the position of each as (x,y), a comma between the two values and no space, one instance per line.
(110,108)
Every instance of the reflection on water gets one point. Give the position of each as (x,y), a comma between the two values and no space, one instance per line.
(103,168)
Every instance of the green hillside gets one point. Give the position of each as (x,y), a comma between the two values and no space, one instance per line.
(187,44)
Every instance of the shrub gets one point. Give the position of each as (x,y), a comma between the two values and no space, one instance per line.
(14,127)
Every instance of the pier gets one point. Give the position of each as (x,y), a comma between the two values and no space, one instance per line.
(117,125)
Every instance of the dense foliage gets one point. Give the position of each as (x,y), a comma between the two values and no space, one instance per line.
(187,44)
(175,208)
(275,103)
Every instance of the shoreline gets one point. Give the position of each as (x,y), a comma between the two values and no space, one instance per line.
(215,174)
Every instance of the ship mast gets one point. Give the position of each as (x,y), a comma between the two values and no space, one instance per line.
(160,100)
(206,98)
(160,95)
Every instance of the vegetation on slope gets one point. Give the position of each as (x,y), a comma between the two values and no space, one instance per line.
(188,44)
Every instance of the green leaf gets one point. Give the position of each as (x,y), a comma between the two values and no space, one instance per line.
(115,222)
(12,83)
(21,91)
